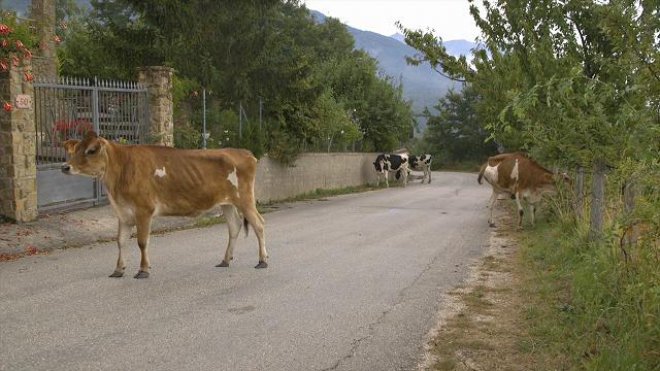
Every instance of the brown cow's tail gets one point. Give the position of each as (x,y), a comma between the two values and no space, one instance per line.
(481,172)
(246,224)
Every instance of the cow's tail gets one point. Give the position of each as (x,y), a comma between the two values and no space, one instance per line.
(246,224)
(481,172)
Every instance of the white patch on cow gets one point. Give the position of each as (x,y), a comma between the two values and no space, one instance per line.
(491,174)
(515,173)
(160,172)
(232,178)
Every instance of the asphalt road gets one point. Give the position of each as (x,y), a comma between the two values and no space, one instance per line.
(354,283)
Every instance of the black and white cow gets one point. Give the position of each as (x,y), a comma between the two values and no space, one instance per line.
(421,163)
(387,162)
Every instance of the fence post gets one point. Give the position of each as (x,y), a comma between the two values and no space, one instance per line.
(158,81)
(579,193)
(597,201)
(18,151)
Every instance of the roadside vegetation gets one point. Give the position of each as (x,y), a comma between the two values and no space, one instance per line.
(576,84)
(271,77)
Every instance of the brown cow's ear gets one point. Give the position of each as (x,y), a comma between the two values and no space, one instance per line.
(70,145)
(91,134)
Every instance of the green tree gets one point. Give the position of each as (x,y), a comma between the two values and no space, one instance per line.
(455,134)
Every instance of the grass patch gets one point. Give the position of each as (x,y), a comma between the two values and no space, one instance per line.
(589,306)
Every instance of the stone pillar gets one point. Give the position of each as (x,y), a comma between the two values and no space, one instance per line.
(18,151)
(44,64)
(158,81)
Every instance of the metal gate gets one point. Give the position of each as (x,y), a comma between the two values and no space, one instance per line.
(67,109)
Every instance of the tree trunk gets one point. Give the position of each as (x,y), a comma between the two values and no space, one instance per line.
(597,202)
(628,207)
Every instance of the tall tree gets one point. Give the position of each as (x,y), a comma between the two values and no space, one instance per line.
(563,79)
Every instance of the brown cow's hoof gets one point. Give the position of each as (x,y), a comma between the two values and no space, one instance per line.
(141,274)
(224,264)
(492,225)
(261,265)
(117,274)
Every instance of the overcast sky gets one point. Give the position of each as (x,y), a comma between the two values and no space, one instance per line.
(450,19)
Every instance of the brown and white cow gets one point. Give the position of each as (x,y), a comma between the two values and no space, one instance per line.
(144,181)
(522,178)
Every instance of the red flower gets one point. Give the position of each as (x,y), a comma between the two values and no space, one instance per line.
(3,65)
(19,44)
(27,55)
(57,39)
(7,106)
(4,43)
(4,29)
(28,76)
(15,61)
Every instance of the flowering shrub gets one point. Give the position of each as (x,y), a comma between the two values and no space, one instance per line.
(16,40)
(64,129)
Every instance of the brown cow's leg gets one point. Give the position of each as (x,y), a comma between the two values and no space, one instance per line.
(493,199)
(520,209)
(143,232)
(234,227)
(257,222)
(123,233)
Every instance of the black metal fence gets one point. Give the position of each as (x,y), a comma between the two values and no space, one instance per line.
(67,109)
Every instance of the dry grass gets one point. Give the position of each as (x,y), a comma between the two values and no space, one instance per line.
(484,327)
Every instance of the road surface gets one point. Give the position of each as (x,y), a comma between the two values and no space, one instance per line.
(354,283)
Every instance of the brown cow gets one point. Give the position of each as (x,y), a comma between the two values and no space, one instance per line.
(145,180)
(520,177)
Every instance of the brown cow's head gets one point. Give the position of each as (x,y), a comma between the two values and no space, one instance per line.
(87,156)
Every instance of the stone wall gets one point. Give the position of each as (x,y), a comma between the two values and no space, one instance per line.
(313,171)
(158,81)
(18,169)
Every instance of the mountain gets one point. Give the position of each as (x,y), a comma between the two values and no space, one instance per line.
(421,84)
(454,47)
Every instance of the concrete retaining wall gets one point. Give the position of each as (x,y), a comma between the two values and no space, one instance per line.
(312,171)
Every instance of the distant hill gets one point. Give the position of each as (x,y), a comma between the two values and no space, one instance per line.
(454,47)
(421,84)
